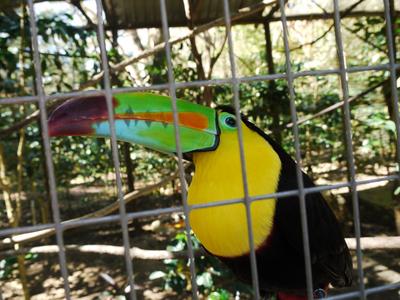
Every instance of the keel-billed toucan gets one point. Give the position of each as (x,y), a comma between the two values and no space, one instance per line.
(209,137)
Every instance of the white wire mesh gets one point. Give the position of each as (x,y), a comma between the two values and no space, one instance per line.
(123,217)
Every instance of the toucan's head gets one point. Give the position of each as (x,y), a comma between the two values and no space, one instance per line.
(145,119)
(208,137)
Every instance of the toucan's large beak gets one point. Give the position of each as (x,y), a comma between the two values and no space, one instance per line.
(141,118)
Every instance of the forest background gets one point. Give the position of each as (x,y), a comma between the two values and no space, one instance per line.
(84,169)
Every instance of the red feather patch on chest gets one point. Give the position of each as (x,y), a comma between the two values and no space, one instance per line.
(285,296)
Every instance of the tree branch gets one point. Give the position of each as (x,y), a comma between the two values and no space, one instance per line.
(367,243)
(313,41)
(242,13)
(336,105)
(78,5)
(63,54)
(29,119)
(215,58)
(364,39)
(329,16)
(32,236)
(375,243)
(342,14)
(135,252)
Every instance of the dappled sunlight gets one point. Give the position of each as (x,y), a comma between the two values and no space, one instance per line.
(316,91)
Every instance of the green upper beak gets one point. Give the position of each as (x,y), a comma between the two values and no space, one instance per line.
(141,118)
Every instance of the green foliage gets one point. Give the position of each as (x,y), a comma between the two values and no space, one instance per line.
(209,270)
(266,104)
(89,158)
(9,264)
(63,45)
(219,294)
(69,56)
(397,191)
(66,60)
(373,30)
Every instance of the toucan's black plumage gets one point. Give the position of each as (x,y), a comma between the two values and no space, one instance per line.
(210,137)
(280,260)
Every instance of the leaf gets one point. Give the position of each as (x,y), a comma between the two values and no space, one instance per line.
(156,275)
(205,280)
(220,294)
(397,191)
(390,126)
(30,256)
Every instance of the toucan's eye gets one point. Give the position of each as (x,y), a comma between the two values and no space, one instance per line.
(230,121)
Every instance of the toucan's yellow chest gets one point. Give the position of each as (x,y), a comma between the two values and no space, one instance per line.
(223,229)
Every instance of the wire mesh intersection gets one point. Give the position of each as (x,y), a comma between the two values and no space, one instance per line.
(123,217)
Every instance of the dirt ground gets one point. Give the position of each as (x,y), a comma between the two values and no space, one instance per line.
(102,277)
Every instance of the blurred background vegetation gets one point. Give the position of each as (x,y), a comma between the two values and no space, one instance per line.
(84,169)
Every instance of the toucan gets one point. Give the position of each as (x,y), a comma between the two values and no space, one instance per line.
(209,138)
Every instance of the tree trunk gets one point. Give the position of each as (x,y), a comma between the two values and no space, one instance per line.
(44,207)
(275,107)
(389,99)
(130,168)
(206,96)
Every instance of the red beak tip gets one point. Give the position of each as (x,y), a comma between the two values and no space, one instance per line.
(76,117)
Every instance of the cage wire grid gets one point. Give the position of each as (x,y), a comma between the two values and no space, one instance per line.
(124,217)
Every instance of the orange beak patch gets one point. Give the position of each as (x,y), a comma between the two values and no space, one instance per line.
(187,119)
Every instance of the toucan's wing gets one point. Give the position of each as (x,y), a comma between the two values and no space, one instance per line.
(329,253)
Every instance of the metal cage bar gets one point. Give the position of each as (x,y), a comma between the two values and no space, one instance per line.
(392,70)
(197,83)
(123,217)
(295,129)
(114,148)
(155,212)
(349,145)
(370,291)
(246,200)
(47,149)
(172,93)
